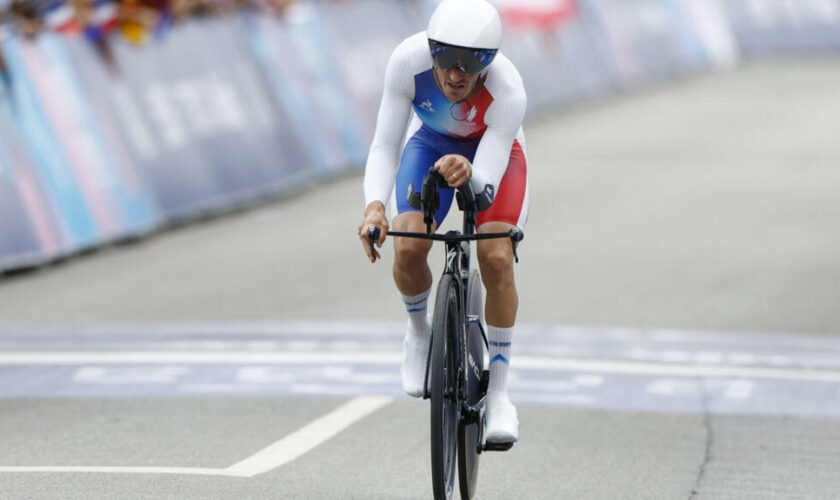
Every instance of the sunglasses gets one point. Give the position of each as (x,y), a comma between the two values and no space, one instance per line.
(470,61)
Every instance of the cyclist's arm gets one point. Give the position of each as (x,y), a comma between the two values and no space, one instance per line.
(394,112)
(504,120)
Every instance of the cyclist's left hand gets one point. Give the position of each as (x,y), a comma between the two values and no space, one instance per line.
(456,169)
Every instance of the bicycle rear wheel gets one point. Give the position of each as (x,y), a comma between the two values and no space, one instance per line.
(445,412)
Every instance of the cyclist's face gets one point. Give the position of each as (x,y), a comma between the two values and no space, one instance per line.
(455,84)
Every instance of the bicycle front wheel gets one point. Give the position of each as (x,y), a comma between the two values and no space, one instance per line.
(469,437)
(443,388)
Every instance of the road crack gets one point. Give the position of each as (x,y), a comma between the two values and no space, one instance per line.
(710,439)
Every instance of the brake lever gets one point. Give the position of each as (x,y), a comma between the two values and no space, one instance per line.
(373,236)
(516,235)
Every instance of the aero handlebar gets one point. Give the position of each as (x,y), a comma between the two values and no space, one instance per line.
(428,201)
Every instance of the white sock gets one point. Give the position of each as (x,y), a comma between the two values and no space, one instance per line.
(416,307)
(499,339)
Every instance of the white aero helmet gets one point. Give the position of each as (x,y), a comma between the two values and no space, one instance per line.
(456,25)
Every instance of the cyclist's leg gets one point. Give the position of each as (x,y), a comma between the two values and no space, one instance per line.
(495,256)
(496,260)
(411,271)
(412,274)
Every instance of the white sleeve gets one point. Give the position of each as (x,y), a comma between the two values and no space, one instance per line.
(394,112)
(504,120)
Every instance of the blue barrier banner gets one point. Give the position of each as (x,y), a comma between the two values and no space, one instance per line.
(129,201)
(171,94)
(294,55)
(19,246)
(360,55)
(689,50)
(28,228)
(778,26)
(641,39)
(583,47)
(708,19)
(35,68)
(562,65)
(208,133)
(27,232)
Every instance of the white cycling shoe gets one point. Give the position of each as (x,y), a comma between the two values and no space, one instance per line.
(501,423)
(413,370)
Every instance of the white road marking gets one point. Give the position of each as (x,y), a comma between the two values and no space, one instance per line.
(739,389)
(624,367)
(563,399)
(538,363)
(674,356)
(729,389)
(269,458)
(709,358)
(52,358)
(588,381)
(308,437)
(561,384)
(741,358)
(672,387)
(299,328)
(264,375)
(119,470)
(129,375)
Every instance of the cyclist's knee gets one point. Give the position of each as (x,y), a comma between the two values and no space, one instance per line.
(496,262)
(409,253)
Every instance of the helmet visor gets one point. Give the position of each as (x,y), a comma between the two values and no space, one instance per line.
(471,61)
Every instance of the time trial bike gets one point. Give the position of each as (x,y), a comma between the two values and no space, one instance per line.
(457,372)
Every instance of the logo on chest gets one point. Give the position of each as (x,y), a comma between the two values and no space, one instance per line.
(427,105)
(463,112)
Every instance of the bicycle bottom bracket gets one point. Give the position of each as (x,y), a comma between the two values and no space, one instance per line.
(469,414)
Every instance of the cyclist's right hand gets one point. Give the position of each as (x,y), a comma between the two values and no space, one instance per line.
(374,217)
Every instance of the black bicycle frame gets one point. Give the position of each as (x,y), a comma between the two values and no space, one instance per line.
(458,250)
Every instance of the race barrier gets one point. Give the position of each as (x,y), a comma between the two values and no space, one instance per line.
(764,27)
(228,111)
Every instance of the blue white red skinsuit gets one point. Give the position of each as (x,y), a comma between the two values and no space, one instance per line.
(415,118)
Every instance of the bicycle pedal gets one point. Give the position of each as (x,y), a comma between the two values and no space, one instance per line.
(498,446)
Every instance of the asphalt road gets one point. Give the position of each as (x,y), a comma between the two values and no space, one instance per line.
(679,288)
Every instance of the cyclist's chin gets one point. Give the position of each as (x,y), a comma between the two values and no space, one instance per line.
(457,97)
(457,93)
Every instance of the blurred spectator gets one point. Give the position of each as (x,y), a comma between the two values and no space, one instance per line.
(103,19)
(26,17)
(65,17)
(136,21)
(278,7)
(141,20)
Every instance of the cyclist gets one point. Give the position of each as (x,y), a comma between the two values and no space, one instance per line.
(467,122)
